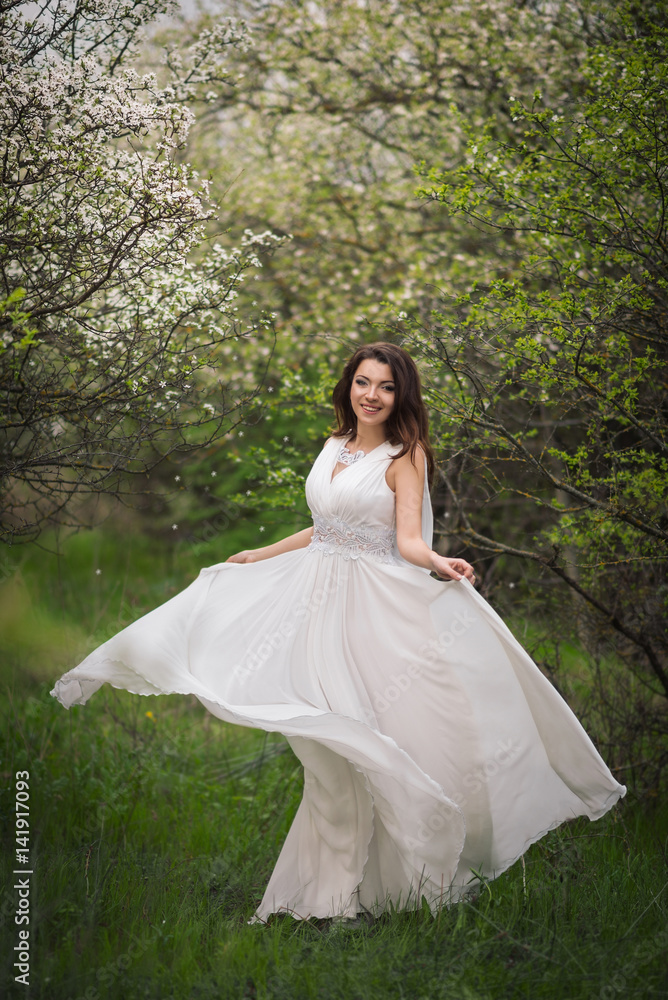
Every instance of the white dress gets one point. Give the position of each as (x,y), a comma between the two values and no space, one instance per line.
(433,747)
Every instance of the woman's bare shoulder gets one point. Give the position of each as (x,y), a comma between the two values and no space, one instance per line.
(405,467)
(416,460)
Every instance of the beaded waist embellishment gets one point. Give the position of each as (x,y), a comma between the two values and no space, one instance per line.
(332,536)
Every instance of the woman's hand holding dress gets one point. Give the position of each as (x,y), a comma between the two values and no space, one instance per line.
(451,569)
(247,556)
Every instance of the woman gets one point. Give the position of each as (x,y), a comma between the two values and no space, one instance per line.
(434,750)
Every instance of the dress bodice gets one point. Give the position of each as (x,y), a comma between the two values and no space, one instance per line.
(354,512)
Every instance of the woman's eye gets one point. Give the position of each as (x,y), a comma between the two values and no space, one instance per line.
(365,385)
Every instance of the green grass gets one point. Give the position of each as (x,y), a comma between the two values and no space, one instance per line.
(153,836)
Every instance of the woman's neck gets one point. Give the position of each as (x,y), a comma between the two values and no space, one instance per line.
(367,438)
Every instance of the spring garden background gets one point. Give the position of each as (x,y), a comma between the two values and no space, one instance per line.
(203,211)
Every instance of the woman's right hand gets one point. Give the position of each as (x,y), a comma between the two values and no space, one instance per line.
(247,556)
(297,541)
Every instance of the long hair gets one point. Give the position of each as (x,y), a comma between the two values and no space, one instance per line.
(408,423)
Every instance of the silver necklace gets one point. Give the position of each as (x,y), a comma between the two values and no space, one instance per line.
(346,457)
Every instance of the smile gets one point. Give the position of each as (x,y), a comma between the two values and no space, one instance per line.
(370,409)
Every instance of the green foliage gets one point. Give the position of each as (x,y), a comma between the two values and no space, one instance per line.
(328,113)
(551,382)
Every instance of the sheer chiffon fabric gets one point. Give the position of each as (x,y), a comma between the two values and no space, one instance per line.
(433,747)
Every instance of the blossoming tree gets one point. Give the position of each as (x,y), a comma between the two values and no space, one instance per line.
(113,305)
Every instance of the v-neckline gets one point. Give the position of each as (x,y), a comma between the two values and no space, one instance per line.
(333,476)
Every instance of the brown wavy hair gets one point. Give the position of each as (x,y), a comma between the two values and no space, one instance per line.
(408,423)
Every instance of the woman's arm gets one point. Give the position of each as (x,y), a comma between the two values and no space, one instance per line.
(407,481)
(297,541)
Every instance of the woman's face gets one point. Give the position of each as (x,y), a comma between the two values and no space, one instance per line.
(372,393)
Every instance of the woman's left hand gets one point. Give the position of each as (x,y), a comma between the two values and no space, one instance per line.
(452,569)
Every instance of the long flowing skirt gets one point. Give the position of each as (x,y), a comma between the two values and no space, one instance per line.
(434,750)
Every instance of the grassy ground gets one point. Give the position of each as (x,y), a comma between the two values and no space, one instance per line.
(154,828)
